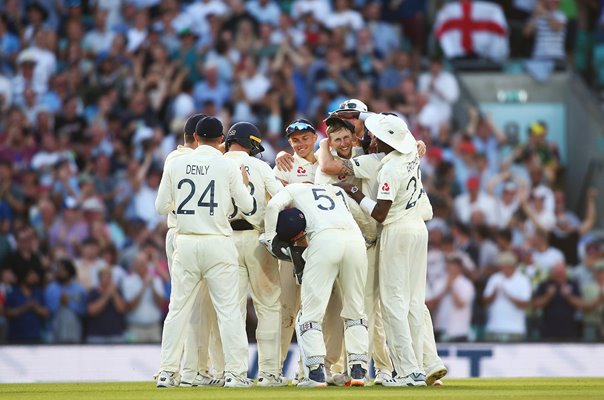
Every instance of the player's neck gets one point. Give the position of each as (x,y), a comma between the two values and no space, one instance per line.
(310,157)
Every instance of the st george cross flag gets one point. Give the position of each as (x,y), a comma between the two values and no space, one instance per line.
(472,27)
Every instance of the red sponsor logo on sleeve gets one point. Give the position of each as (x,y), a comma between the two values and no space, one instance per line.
(385,187)
(341,177)
(301,170)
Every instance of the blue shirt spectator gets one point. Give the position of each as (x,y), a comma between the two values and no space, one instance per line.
(26,310)
(66,301)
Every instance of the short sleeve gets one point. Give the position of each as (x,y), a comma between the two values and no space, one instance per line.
(365,166)
(388,183)
(281,175)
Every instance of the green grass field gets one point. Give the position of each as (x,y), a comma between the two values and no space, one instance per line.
(489,389)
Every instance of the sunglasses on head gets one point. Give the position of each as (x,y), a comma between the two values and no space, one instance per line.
(350,106)
(299,127)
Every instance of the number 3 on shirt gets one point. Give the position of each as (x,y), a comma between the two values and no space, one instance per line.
(254,207)
(208,190)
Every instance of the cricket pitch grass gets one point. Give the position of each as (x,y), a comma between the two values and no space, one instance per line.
(466,389)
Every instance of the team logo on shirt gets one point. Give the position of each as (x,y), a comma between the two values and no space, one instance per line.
(341,177)
(385,187)
(301,171)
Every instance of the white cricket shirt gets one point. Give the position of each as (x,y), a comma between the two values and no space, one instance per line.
(262,181)
(199,187)
(180,151)
(324,206)
(302,171)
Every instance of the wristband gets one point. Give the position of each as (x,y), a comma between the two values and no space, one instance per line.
(367,205)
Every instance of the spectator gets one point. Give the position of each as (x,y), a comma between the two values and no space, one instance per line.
(475,200)
(24,257)
(100,38)
(548,24)
(508,294)
(593,320)
(585,272)
(106,309)
(264,11)
(212,88)
(560,299)
(66,301)
(544,256)
(442,91)
(451,303)
(568,229)
(539,216)
(69,229)
(144,296)
(26,309)
(89,263)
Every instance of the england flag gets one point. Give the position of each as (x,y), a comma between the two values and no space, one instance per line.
(472,27)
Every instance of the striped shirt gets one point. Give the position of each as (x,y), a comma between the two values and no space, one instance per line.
(549,44)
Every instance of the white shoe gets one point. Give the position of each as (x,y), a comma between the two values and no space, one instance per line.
(167,379)
(381,375)
(435,373)
(271,380)
(203,380)
(413,379)
(233,381)
(311,383)
(340,379)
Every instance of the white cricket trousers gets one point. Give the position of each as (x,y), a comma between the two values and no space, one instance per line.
(332,255)
(214,258)
(377,337)
(202,346)
(290,304)
(402,261)
(259,271)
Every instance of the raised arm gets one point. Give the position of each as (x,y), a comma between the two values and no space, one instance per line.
(331,166)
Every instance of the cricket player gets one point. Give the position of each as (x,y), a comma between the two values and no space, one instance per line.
(336,251)
(403,246)
(201,188)
(197,351)
(257,268)
(341,139)
(301,136)
(366,168)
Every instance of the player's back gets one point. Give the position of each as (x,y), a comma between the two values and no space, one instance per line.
(201,184)
(262,181)
(325,207)
(178,152)
(400,175)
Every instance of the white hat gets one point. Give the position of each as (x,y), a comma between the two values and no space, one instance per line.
(93,204)
(26,56)
(352,105)
(540,192)
(393,131)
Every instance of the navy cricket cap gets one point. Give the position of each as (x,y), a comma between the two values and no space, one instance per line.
(291,224)
(209,127)
(192,123)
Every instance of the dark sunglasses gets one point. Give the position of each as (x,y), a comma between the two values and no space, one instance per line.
(299,127)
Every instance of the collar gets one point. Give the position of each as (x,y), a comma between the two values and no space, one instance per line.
(236,154)
(205,149)
(390,156)
(302,161)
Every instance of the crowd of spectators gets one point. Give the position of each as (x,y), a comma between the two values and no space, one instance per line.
(93,96)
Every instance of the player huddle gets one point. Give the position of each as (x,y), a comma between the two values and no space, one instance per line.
(331,245)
